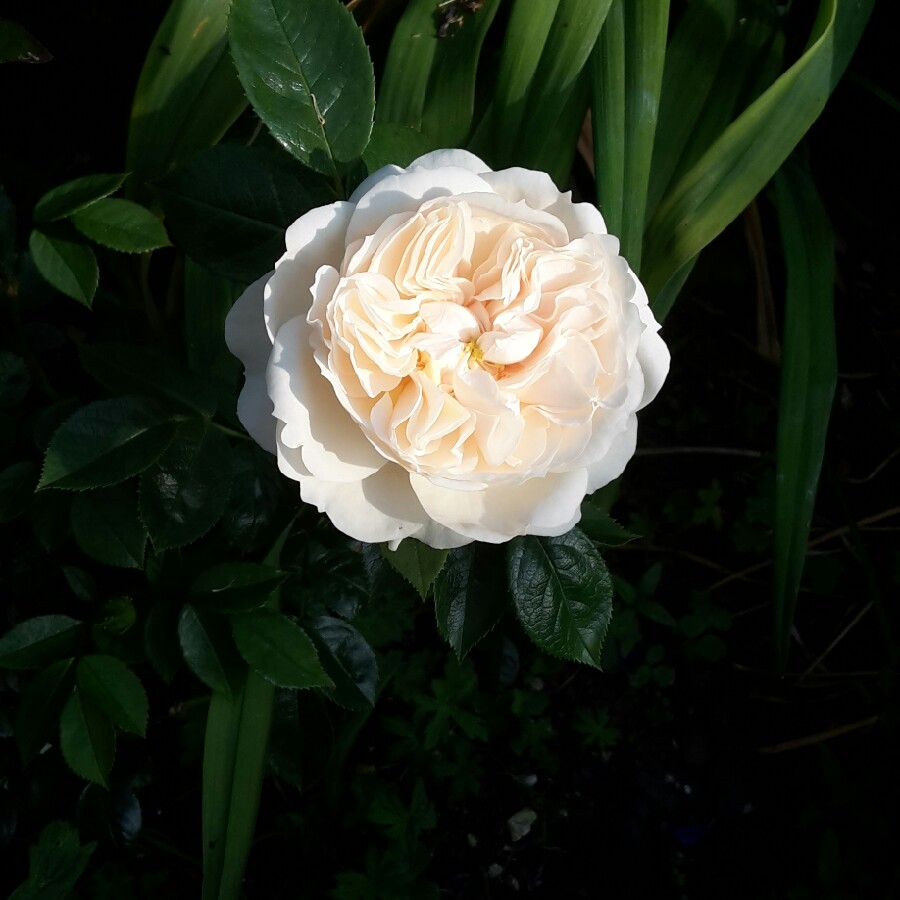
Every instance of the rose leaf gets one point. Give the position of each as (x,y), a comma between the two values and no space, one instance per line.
(121,225)
(562,592)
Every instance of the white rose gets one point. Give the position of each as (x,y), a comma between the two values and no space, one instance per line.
(454,354)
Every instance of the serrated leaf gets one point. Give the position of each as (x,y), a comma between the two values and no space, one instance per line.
(37,716)
(278,649)
(107,526)
(87,739)
(562,594)
(601,527)
(75,195)
(104,443)
(114,689)
(56,863)
(66,263)
(228,207)
(121,225)
(183,494)
(255,497)
(236,586)
(209,650)
(467,603)
(38,641)
(306,70)
(131,369)
(418,563)
(348,660)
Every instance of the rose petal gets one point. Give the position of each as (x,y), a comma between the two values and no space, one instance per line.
(546,506)
(379,508)
(246,338)
(314,240)
(334,447)
(460,159)
(613,462)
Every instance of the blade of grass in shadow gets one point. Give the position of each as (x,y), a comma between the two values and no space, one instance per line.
(188,94)
(572,36)
(450,99)
(628,70)
(752,148)
(234,765)
(526,34)
(808,376)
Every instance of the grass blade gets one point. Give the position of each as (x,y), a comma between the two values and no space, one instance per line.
(750,150)
(808,375)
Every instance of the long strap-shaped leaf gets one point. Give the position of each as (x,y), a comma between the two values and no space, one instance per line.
(627,73)
(808,375)
(188,93)
(738,165)
(234,765)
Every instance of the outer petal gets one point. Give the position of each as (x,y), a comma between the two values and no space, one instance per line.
(547,506)
(381,507)
(652,354)
(406,193)
(579,218)
(246,337)
(333,446)
(315,239)
(535,188)
(460,159)
(612,464)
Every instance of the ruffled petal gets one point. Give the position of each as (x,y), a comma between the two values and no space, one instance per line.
(440,159)
(546,506)
(333,445)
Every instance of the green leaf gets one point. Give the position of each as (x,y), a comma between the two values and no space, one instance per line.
(348,660)
(75,195)
(256,494)
(104,443)
(115,690)
(306,70)
(121,225)
(87,739)
(14,378)
(808,377)
(183,494)
(35,642)
(450,100)
(627,71)
(107,526)
(234,587)
(602,528)
(69,265)
(468,600)
(229,206)
(17,483)
(57,861)
(395,145)
(188,94)
(562,594)
(278,649)
(208,299)
(418,563)
(132,369)
(209,650)
(752,148)
(37,716)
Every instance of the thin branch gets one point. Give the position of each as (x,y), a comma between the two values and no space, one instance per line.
(841,635)
(820,736)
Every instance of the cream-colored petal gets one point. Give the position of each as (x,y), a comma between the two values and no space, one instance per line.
(579,218)
(316,239)
(379,508)
(334,447)
(460,159)
(546,506)
(535,188)
(612,464)
(245,335)
(407,192)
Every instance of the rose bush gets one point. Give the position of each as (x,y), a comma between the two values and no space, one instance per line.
(454,354)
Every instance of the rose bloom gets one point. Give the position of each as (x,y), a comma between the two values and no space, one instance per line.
(454,354)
